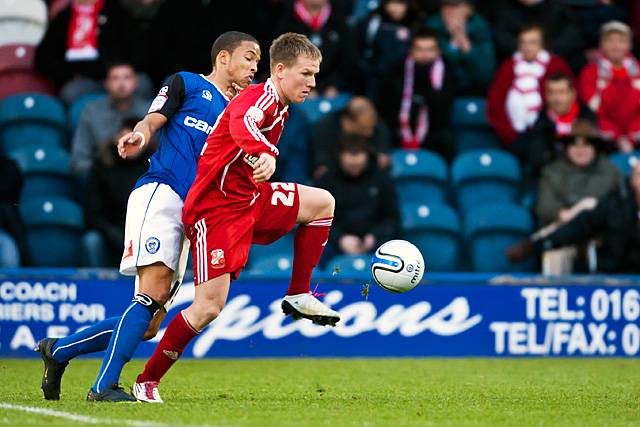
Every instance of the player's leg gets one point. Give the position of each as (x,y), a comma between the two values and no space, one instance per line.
(154,237)
(314,219)
(207,304)
(153,293)
(281,206)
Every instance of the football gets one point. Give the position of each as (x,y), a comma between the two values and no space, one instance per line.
(397,266)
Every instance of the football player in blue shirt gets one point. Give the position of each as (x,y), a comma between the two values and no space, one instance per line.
(182,116)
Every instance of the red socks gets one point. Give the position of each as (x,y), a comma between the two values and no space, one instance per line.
(178,334)
(309,242)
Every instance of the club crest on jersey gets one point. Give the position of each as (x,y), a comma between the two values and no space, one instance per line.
(217,258)
(207,95)
(152,245)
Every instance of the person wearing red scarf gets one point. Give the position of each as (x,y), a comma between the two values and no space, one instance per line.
(540,145)
(515,97)
(319,21)
(611,87)
(416,98)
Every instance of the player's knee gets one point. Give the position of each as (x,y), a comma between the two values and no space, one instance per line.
(328,203)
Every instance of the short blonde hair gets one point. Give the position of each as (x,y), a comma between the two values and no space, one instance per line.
(289,46)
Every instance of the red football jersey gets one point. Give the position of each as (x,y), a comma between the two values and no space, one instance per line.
(250,125)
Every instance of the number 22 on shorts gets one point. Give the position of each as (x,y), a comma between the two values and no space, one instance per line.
(286,196)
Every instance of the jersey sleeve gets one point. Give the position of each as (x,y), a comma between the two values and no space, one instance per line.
(170,97)
(246,117)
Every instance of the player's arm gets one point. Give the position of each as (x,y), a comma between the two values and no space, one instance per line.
(168,101)
(246,117)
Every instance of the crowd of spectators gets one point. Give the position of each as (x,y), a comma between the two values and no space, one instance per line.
(560,78)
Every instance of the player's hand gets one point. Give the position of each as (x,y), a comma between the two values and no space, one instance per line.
(129,144)
(264,168)
(233,91)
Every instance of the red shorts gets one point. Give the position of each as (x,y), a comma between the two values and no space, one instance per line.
(220,239)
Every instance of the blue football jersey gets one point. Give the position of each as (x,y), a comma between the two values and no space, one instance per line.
(192,105)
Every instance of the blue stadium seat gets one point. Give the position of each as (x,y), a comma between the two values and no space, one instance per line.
(31,119)
(485,176)
(282,247)
(318,107)
(9,255)
(76,108)
(435,229)
(470,125)
(47,171)
(625,162)
(419,175)
(54,231)
(490,229)
(349,264)
(277,265)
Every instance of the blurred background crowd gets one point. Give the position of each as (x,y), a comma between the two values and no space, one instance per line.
(497,135)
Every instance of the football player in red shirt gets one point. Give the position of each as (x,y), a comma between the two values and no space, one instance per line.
(231,205)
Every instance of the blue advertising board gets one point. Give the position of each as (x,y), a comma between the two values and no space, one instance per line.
(459,316)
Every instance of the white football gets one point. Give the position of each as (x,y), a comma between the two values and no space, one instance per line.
(397,266)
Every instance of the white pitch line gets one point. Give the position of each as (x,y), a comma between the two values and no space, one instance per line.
(81,418)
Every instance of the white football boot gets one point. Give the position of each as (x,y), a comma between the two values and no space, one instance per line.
(309,307)
(147,392)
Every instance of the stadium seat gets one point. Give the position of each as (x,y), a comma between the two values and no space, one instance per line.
(16,57)
(22,21)
(419,175)
(9,254)
(276,265)
(31,119)
(470,125)
(17,82)
(625,162)
(76,108)
(282,247)
(47,171)
(485,176)
(54,231)
(318,107)
(349,264)
(490,229)
(435,229)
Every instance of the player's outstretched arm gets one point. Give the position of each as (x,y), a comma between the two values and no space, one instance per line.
(144,130)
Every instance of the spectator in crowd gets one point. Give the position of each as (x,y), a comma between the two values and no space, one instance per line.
(557,22)
(366,208)
(110,182)
(293,160)
(10,219)
(611,87)
(384,38)
(100,119)
(327,30)
(592,14)
(358,118)
(80,42)
(515,96)
(417,97)
(465,40)
(573,183)
(614,220)
(541,145)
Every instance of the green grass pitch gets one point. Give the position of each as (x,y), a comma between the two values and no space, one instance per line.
(344,392)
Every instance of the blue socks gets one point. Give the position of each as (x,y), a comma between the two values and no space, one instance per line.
(125,338)
(89,340)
